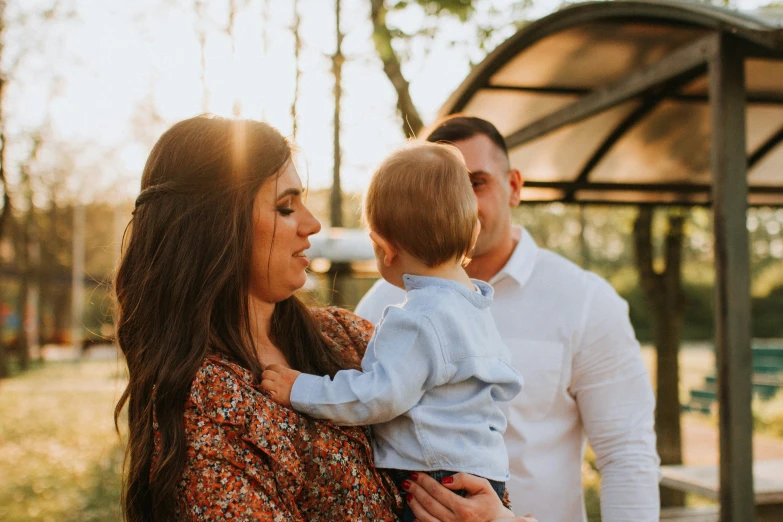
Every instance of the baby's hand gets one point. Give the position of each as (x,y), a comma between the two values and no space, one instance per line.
(278,381)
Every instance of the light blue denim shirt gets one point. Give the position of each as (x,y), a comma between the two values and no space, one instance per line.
(431,380)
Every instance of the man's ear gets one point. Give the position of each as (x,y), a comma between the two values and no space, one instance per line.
(389,250)
(515,183)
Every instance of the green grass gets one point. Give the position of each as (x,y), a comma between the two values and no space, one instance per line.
(60,458)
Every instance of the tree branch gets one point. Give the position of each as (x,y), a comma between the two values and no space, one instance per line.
(382,37)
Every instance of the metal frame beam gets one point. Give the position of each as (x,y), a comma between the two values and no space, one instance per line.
(617,133)
(679,188)
(762,98)
(732,280)
(765,148)
(604,203)
(678,67)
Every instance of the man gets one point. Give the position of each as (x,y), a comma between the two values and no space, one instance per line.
(570,337)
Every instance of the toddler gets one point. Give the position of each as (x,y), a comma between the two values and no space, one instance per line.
(436,367)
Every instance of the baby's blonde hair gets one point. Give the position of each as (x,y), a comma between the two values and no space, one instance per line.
(420,199)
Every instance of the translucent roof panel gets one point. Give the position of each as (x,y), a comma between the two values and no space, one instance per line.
(509,110)
(557,61)
(574,53)
(562,154)
(671,145)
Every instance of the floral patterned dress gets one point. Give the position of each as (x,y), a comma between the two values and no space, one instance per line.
(248,458)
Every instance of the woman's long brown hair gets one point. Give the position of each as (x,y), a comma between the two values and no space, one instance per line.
(182,292)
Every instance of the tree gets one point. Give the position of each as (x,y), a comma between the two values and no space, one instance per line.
(392,66)
(201,35)
(28,258)
(336,207)
(233,11)
(384,37)
(663,289)
(339,273)
(6,212)
(297,66)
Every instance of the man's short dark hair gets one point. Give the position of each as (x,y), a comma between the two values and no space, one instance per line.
(458,128)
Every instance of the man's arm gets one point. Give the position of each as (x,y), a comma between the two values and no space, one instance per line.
(616,403)
(377,298)
(402,361)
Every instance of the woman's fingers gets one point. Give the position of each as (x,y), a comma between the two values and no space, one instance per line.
(422,515)
(470,483)
(430,501)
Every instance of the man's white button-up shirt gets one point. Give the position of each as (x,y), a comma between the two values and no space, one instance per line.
(570,337)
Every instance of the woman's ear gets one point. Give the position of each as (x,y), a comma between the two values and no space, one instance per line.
(389,250)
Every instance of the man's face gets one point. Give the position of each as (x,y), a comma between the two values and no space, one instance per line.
(496,188)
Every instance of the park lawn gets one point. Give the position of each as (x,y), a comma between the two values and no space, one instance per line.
(60,458)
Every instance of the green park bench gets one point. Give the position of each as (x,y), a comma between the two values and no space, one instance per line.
(767,380)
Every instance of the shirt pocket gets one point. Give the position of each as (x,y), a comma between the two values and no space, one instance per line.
(540,363)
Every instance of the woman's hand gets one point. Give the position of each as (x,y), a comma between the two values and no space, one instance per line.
(432,501)
(278,381)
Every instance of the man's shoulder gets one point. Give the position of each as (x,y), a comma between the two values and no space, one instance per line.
(377,298)
(551,266)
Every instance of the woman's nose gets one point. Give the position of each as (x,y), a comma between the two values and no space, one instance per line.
(311,224)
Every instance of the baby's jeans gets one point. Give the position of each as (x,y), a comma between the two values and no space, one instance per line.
(400,475)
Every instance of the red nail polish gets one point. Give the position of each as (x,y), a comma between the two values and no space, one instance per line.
(447,480)
(406,484)
(414,476)
(408,498)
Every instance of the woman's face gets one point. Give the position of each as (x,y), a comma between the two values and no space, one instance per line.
(281,225)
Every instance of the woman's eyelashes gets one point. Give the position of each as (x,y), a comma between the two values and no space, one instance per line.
(285,207)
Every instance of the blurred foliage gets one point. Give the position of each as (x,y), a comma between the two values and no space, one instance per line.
(606,247)
(591,480)
(768,416)
(53,228)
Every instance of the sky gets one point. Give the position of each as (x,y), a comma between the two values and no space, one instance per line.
(104,78)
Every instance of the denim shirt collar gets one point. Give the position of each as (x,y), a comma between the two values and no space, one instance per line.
(481,299)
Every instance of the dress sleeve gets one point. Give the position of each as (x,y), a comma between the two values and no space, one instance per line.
(242,465)
(346,330)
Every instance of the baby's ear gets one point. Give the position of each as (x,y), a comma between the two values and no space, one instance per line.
(388,249)
(476,233)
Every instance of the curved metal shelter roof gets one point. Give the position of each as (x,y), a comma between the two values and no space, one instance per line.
(609,102)
(654,103)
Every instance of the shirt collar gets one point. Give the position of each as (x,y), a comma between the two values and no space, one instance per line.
(522,261)
(481,298)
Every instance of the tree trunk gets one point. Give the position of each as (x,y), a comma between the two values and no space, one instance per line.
(584,247)
(24,290)
(26,314)
(236,106)
(6,212)
(382,37)
(297,67)
(336,200)
(201,36)
(664,293)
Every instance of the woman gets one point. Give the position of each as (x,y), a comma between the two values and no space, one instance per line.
(205,293)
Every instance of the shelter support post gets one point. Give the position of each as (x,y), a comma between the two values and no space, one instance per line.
(732,280)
